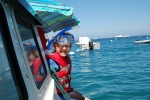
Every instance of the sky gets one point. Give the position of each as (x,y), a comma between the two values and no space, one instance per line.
(108,18)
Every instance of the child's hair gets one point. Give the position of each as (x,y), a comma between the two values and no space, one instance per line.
(29,52)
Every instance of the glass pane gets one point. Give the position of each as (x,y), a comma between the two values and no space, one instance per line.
(7,86)
(32,51)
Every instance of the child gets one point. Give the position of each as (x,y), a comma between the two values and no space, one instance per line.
(61,62)
(35,65)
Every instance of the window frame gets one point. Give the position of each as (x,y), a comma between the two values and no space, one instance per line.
(36,44)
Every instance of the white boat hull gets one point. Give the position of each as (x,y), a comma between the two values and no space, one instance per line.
(84,43)
(142,41)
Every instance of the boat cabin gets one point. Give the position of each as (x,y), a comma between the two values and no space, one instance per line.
(24,72)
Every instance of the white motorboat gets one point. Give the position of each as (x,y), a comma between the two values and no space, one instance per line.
(87,43)
(122,36)
(142,41)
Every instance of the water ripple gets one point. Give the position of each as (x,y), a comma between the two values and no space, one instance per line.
(118,71)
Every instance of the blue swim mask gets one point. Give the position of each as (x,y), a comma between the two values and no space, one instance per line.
(62,38)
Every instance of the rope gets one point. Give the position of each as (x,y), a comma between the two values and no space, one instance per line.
(56,78)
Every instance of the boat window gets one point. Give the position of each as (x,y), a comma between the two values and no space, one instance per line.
(8,89)
(34,53)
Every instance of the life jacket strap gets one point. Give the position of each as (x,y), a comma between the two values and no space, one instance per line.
(65,68)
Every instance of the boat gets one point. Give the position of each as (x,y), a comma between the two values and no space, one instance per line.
(22,32)
(85,43)
(142,41)
(71,53)
(122,36)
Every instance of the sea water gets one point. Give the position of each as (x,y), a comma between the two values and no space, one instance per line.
(119,70)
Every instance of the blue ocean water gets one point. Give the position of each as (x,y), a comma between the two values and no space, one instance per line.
(120,70)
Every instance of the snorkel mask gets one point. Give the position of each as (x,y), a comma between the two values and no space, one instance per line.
(63,38)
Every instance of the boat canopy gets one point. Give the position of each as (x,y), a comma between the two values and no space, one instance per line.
(54,16)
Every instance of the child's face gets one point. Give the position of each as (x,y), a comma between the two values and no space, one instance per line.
(63,50)
(32,57)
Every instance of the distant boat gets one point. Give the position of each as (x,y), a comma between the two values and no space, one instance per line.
(121,36)
(95,38)
(71,53)
(142,41)
(86,43)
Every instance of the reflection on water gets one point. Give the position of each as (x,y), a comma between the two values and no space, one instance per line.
(7,86)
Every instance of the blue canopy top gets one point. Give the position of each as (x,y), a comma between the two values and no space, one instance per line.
(55,16)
